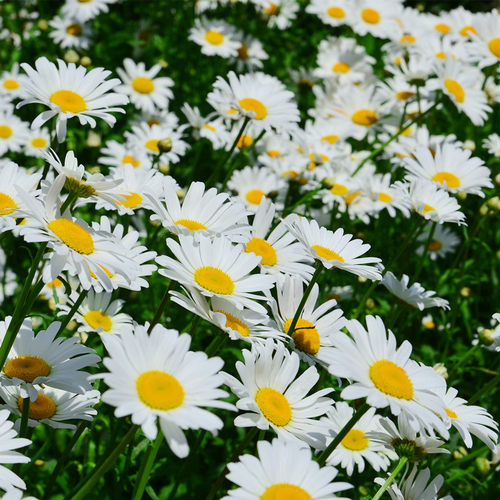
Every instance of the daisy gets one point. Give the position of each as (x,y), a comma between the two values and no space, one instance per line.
(216,268)
(333,249)
(13,132)
(485,41)
(451,167)
(68,32)
(146,92)
(11,83)
(251,54)
(279,13)
(37,142)
(116,154)
(414,295)
(273,397)
(356,447)
(443,242)
(261,98)
(71,91)
(9,443)
(386,196)
(376,17)
(386,375)
(215,37)
(331,12)
(284,470)
(492,144)
(85,10)
(43,359)
(156,376)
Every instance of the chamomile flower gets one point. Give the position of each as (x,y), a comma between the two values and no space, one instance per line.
(251,53)
(116,154)
(331,12)
(386,196)
(215,37)
(69,32)
(333,249)
(444,241)
(216,268)
(37,142)
(71,91)
(45,359)
(279,13)
(283,470)
(485,42)
(376,17)
(13,132)
(11,83)
(146,91)
(154,376)
(492,144)
(272,396)
(87,9)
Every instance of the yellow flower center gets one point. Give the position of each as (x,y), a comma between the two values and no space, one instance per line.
(404,94)
(305,336)
(370,16)
(243,52)
(339,189)
(452,181)
(428,208)
(209,127)
(274,406)
(441,55)
(336,12)
(152,145)
(74,30)
(331,139)
(235,323)
(5,131)
(494,46)
(214,37)
(351,197)
(435,245)
(159,390)
(355,440)
(285,491)
(442,28)
(10,84)
(143,85)
(326,253)
(429,324)
(467,30)
(244,141)
(39,142)
(68,101)
(55,283)
(365,117)
(391,379)
(453,87)
(255,196)
(263,249)
(96,319)
(26,368)
(84,1)
(42,408)
(132,200)
(293,174)
(341,67)
(407,39)
(384,197)
(214,280)
(450,413)
(72,235)
(131,161)
(273,153)
(272,10)
(7,204)
(251,104)
(192,225)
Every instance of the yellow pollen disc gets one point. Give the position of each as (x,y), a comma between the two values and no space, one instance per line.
(336,12)
(293,174)
(326,253)
(244,141)
(429,324)
(131,161)
(351,197)
(231,111)
(5,131)
(384,197)
(96,319)
(440,55)
(192,225)
(285,491)
(273,153)
(435,245)
(272,10)
(152,145)
(42,408)
(365,117)
(153,122)
(72,235)
(391,379)
(84,1)
(55,283)
(39,142)
(339,189)
(274,406)
(331,139)
(453,87)
(452,181)
(214,37)
(341,67)
(404,94)
(159,390)
(467,30)
(235,323)
(143,85)
(26,368)
(132,200)
(450,413)
(305,336)
(397,60)
(428,208)
(263,249)
(355,440)
(74,30)
(442,28)
(209,127)
(494,46)
(243,52)
(370,16)
(214,280)
(407,39)
(251,104)
(68,101)
(255,196)
(10,84)
(7,204)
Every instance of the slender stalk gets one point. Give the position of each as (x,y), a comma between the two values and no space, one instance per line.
(426,251)
(342,434)
(232,167)
(24,417)
(485,389)
(161,307)
(390,479)
(214,346)
(146,466)
(462,360)
(72,311)
(302,200)
(68,202)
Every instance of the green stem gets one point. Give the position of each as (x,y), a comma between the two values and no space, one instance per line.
(161,307)
(232,167)
(72,311)
(214,346)
(105,465)
(306,197)
(426,251)
(485,389)
(462,360)
(68,202)
(24,417)
(146,466)
(390,479)
(342,434)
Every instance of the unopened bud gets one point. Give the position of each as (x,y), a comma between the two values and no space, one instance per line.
(440,369)
(71,56)
(43,24)
(164,168)
(165,145)
(462,195)
(486,336)
(163,63)
(469,144)
(362,279)
(370,303)
(483,465)
(180,194)
(93,139)
(497,179)
(85,61)
(483,210)
(465,291)
(39,462)
(328,182)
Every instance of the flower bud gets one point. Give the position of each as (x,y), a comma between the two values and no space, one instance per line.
(165,145)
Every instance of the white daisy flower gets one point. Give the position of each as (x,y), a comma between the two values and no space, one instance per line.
(376,17)
(284,470)
(443,242)
(68,32)
(386,196)
(251,53)
(156,376)
(279,13)
(331,12)
(146,91)
(215,37)
(88,9)
(13,132)
(492,144)
(272,397)
(485,42)
(71,91)
(11,83)
(116,154)
(37,142)
(44,359)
